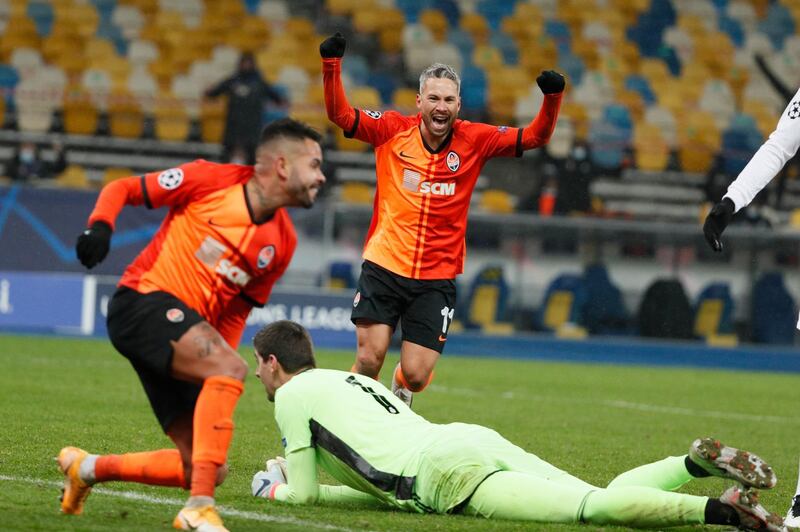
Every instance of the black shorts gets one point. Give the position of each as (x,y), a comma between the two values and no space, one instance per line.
(141,327)
(424,307)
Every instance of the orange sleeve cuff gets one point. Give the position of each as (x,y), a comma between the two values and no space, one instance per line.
(539,131)
(114,196)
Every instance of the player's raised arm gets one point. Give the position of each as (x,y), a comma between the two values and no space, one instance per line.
(539,131)
(339,110)
(93,244)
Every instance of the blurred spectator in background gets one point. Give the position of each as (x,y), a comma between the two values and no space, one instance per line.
(575,175)
(247,93)
(28,164)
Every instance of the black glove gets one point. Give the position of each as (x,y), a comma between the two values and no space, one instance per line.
(333,46)
(93,244)
(716,222)
(551,82)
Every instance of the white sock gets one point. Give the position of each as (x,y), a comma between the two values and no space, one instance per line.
(199,500)
(86,469)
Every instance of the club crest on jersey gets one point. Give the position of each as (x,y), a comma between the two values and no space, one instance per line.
(357,299)
(502,129)
(265,256)
(170,179)
(175,315)
(453,161)
(373,114)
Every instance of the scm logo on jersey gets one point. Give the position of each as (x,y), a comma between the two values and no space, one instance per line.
(438,188)
(233,273)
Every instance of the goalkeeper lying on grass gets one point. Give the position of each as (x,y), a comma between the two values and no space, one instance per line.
(370,441)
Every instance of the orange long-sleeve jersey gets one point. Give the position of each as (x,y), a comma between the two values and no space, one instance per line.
(422,198)
(208,252)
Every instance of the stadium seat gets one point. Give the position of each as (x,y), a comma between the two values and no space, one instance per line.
(74,176)
(80,116)
(356,193)
(713,312)
(125,117)
(436,22)
(497,201)
(212,120)
(487,301)
(476,25)
(113,173)
(563,304)
(171,119)
(338,276)
(604,310)
(773,311)
(651,151)
(665,311)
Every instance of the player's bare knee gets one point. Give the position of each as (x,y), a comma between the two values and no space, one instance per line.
(417,379)
(237,368)
(222,474)
(369,361)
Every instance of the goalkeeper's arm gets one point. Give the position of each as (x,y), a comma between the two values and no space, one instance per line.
(302,485)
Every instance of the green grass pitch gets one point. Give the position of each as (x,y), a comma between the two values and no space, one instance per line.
(592,420)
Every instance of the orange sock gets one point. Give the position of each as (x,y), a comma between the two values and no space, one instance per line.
(213,430)
(399,377)
(157,468)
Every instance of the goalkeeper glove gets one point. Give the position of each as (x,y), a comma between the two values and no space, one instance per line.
(333,46)
(716,222)
(551,82)
(266,482)
(93,244)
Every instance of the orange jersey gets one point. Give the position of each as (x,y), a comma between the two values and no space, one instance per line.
(208,252)
(421,202)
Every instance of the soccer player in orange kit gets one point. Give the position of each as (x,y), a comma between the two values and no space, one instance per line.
(427,166)
(180,308)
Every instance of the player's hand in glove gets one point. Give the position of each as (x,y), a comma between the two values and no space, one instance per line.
(333,46)
(93,244)
(551,82)
(716,222)
(265,482)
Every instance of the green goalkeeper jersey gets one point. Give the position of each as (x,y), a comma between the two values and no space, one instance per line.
(369,440)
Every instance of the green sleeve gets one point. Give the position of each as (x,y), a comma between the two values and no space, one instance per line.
(346,494)
(302,486)
(292,420)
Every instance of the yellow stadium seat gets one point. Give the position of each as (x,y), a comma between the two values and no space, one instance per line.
(476,25)
(346,7)
(434,20)
(125,117)
(404,100)
(487,57)
(313,115)
(708,316)
(356,193)
(365,98)
(483,309)
(74,176)
(79,114)
(212,120)
(497,201)
(300,28)
(391,38)
(650,149)
(345,144)
(116,172)
(171,119)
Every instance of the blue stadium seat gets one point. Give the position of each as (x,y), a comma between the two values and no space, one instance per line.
(638,83)
(670,57)
(604,310)
(739,142)
(560,33)
(488,298)
(252,6)
(564,303)
(462,40)
(573,67)
(42,16)
(384,83)
(449,9)
(609,144)
(494,11)
(713,312)
(339,276)
(357,68)
(9,77)
(508,48)
(733,28)
(473,88)
(773,311)
(618,116)
(777,25)
(411,8)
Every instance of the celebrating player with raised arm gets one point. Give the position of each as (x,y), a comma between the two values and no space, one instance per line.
(427,166)
(181,306)
(382,452)
(770,158)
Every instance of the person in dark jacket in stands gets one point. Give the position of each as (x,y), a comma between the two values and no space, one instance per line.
(247,92)
(28,164)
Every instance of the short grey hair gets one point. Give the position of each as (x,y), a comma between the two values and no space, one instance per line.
(440,70)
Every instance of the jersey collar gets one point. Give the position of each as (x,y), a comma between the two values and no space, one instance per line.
(442,146)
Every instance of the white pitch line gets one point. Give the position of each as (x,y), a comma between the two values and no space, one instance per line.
(167,501)
(623,405)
